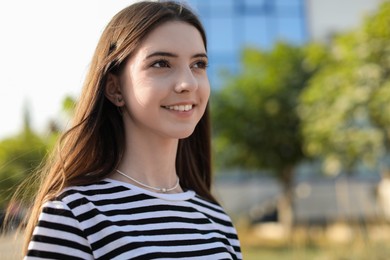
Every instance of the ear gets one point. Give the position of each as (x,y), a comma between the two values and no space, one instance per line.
(113,91)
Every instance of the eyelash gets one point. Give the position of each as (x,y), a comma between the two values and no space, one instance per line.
(158,62)
(201,64)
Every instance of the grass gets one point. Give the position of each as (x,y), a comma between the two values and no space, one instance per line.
(377,252)
(306,244)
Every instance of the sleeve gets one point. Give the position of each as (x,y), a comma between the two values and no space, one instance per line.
(58,235)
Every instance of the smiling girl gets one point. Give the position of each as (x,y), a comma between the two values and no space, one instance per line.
(131,179)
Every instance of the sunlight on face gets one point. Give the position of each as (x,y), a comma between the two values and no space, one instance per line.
(165,83)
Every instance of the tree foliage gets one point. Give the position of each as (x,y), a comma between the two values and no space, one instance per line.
(255,119)
(255,122)
(20,155)
(345,108)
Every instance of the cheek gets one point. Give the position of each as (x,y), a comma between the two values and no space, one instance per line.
(141,92)
(205,89)
(134,86)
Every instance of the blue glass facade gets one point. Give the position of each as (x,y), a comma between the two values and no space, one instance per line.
(232,25)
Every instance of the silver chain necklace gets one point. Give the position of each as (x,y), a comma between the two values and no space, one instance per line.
(163,190)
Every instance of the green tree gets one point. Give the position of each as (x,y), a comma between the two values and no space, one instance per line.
(255,122)
(23,153)
(345,109)
(20,155)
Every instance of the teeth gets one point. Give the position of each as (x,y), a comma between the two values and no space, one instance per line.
(180,108)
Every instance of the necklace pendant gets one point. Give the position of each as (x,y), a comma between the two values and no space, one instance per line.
(163,190)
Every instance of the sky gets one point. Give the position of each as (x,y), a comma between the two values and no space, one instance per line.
(45,50)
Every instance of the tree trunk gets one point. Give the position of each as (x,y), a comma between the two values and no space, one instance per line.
(285,204)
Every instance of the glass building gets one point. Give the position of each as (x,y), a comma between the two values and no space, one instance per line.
(232,25)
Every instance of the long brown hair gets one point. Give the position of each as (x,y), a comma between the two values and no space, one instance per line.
(93,147)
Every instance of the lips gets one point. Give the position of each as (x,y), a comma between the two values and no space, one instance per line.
(181,108)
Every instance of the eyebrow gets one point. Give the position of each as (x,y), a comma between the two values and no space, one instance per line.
(172,55)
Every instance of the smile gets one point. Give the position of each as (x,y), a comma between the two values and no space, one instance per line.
(180,108)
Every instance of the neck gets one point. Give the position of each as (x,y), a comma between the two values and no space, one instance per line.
(149,160)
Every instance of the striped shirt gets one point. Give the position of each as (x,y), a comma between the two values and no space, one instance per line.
(116,220)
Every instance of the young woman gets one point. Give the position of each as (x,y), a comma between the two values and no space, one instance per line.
(131,179)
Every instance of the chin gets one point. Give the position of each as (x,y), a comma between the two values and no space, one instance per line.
(182,134)
(186,136)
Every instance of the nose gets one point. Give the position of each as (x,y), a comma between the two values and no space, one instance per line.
(186,81)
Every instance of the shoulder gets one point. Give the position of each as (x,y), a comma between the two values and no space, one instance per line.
(73,196)
(89,190)
(220,219)
(213,210)
(86,201)
(203,202)
(97,191)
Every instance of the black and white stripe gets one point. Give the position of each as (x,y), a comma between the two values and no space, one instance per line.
(116,220)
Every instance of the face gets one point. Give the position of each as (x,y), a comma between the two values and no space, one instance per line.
(164,84)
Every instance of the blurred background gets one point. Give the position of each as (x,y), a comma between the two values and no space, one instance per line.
(300,105)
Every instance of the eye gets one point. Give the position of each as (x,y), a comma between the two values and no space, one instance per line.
(201,64)
(161,64)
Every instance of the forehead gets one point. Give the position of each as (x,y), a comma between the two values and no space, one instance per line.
(174,36)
